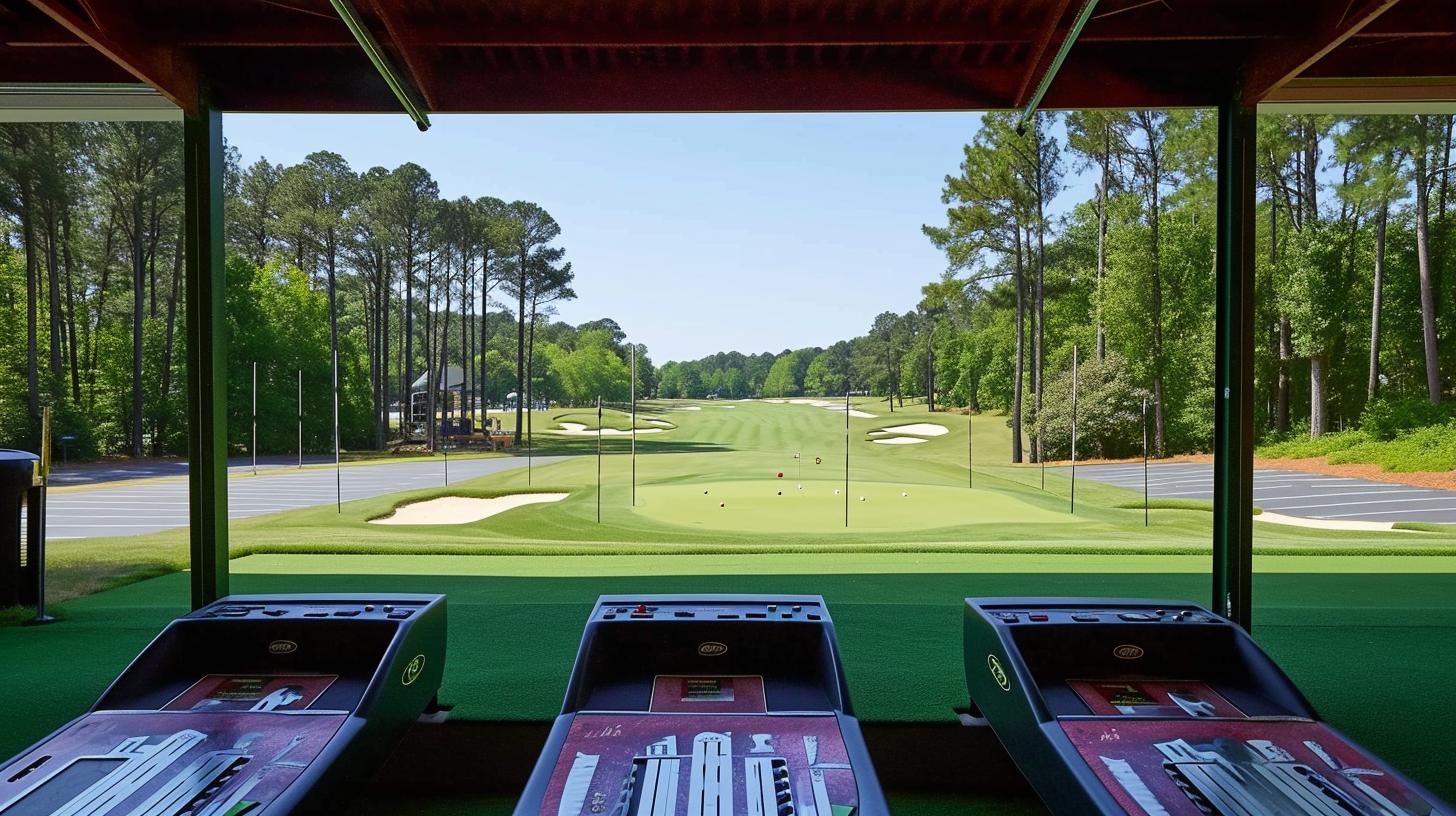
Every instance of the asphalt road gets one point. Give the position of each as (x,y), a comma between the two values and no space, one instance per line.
(122,508)
(1291,493)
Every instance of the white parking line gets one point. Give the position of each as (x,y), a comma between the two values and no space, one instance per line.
(1388,512)
(1372,501)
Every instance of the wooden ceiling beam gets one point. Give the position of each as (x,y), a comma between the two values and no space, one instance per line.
(1041,53)
(166,69)
(1279,62)
(421,73)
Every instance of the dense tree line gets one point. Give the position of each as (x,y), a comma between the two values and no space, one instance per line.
(373,267)
(1356,274)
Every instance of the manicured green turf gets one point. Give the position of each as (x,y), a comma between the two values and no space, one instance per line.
(735,451)
(1373,650)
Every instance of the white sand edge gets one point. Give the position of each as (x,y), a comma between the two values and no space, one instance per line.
(463,510)
(1329,524)
(578,429)
(919,429)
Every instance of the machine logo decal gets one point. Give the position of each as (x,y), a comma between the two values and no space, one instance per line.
(413,669)
(282,647)
(712,648)
(998,673)
(1127,651)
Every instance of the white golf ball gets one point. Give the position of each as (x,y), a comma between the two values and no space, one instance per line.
(861,498)
(836,491)
(903,494)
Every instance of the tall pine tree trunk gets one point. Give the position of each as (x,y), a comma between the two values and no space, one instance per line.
(520,345)
(1102,241)
(1427,283)
(1372,382)
(138,284)
(1318,377)
(1020,366)
(68,261)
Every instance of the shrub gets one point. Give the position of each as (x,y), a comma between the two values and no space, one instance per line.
(1387,417)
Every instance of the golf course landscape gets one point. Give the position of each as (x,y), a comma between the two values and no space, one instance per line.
(1363,621)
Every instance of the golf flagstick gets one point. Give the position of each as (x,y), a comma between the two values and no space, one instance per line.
(338,473)
(970,451)
(1145,461)
(300,418)
(254,446)
(846,456)
(634,424)
(1074,429)
(599,460)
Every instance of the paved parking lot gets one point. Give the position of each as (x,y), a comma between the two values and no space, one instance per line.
(1292,493)
(123,508)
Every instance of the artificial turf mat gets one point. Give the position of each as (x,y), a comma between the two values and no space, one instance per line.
(1374,652)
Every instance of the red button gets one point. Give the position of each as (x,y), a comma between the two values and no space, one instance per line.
(1038,617)
(642,609)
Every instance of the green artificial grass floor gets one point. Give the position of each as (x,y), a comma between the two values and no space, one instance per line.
(1373,650)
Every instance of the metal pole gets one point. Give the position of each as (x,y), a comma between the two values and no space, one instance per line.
(35,502)
(338,470)
(634,424)
(1145,461)
(1233,379)
(300,418)
(599,459)
(1074,429)
(445,450)
(846,456)
(970,451)
(206,347)
(254,446)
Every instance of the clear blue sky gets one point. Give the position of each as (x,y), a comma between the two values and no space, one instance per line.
(697,233)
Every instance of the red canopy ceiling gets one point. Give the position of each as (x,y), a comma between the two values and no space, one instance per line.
(718,55)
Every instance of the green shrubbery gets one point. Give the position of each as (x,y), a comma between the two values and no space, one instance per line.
(1431,448)
(1387,417)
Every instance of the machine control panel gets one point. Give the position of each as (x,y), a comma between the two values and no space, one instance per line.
(1021,616)
(623,609)
(274,609)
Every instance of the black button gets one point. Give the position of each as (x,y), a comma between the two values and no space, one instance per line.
(315,614)
(814,617)
(273,613)
(1086,618)
(798,608)
(756,615)
(1134,616)
(399,615)
(728,616)
(346,613)
(773,607)
(388,608)
(786,614)
(610,616)
(682,613)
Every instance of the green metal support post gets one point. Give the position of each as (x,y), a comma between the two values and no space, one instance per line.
(1233,430)
(206,354)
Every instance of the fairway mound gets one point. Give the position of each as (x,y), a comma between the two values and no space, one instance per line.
(918,429)
(578,429)
(461,509)
(900,440)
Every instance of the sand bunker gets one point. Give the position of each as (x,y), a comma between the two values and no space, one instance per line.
(852,412)
(900,440)
(578,429)
(919,429)
(462,510)
(658,422)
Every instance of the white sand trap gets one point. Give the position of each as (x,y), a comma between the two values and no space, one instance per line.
(658,421)
(578,429)
(462,510)
(900,440)
(852,412)
(725,406)
(1328,524)
(920,429)
(687,408)
(806,402)
(776,401)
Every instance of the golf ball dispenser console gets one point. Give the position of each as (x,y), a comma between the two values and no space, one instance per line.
(252,705)
(1162,709)
(706,706)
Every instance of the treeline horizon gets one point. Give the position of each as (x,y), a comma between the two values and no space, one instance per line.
(1355,269)
(322,260)
(1356,275)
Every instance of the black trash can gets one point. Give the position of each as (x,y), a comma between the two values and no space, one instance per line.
(21,556)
